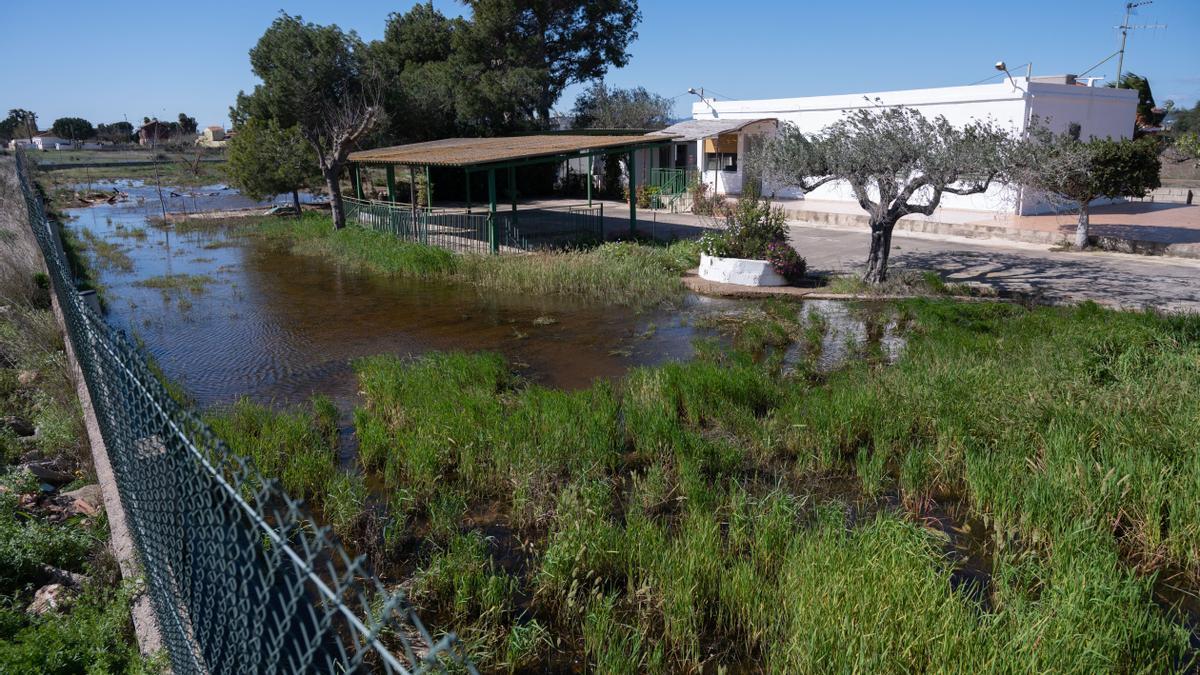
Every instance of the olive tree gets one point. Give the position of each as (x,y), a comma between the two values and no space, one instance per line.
(321,80)
(896,162)
(1077,172)
(266,160)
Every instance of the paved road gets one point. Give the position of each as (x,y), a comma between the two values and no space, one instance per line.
(1119,280)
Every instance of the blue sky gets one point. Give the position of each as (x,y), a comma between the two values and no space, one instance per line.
(106,60)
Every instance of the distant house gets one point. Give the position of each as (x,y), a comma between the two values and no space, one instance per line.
(212,137)
(43,140)
(153,132)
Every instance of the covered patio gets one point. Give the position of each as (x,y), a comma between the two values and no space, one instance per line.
(465,228)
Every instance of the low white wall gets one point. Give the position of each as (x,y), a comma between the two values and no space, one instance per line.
(739,271)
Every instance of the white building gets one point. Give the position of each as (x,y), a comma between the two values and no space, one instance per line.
(212,137)
(714,141)
(41,141)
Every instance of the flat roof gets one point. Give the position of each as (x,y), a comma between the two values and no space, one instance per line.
(464,152)
(973,93)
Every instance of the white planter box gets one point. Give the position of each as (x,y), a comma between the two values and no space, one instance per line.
(741,271)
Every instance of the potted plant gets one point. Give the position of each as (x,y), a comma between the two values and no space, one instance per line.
(752,249)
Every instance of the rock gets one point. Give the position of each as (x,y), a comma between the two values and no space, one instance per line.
(87,500)
(61,576)
(27,377)
(45,470)
(50,598)
(17,425)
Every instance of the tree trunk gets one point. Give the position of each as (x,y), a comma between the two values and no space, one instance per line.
(1081,230)
(881,248)
(335,198)
(296,201)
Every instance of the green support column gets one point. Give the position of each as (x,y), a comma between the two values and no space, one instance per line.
(493,235)
(413,222)
(632,193)
(428,188)
(391,183)
(512,191)
(589,180)
(468,175)
(356,179)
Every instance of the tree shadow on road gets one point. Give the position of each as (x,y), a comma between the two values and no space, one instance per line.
(1054,280)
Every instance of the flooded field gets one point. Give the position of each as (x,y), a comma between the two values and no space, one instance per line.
(712,458)
(251,319)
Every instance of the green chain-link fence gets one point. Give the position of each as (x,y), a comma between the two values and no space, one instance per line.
(240,578)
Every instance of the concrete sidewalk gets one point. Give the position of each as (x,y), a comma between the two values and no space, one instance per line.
(1153,228)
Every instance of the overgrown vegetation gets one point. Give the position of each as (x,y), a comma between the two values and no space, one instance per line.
(42,540)
(1002,497)
(299,447)
(625,273)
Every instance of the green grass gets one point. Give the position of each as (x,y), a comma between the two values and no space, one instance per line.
(298,447)
(173,172)
(628,274)
(106,254)
(730,512)
(901,282)
(177,283)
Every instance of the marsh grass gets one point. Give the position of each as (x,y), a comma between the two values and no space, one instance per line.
(105,254)
(297,446)
(177,283)
(622,273)
(728,513)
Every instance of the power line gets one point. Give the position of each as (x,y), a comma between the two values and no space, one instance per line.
(995,75)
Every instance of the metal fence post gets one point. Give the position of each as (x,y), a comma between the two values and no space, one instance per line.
(356,179)
(632,193)
(493,238)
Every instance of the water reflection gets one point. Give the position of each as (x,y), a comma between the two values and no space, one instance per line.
(264,323)
(279,327)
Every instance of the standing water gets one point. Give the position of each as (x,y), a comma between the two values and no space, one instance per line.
(251,319)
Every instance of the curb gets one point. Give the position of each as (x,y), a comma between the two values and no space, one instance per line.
(693,282)
(858,223)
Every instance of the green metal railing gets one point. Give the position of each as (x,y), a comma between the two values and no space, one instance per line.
(672,186)
(239,576)
(455,231)
(523,230)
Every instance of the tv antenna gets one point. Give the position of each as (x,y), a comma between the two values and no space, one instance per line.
(1125,27)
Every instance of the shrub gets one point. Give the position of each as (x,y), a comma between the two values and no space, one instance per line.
(750,227)
(704,203)
(647,196)
(786,261)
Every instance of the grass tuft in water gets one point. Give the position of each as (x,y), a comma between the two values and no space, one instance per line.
(177,283)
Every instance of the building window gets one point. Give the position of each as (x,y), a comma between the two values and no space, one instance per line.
(721,161)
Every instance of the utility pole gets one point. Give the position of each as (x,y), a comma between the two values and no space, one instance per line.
(1125,28)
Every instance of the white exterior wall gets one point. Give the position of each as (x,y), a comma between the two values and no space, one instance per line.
(730,182)
(1100,112)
